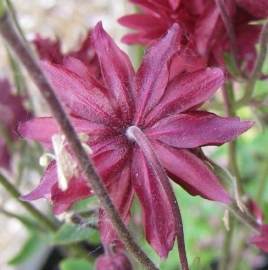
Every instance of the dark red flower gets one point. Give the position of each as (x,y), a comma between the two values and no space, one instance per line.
(51,51)
(261,241)
(113,260)
(139,125)
(205,37)
(11,113)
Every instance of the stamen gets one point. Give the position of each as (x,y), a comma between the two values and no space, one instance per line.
(66,167)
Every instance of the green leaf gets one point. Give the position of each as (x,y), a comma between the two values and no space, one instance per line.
(30,247)
(71,233)
(196,264)
(77,264)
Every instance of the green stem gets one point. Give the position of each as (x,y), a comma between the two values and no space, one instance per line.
(30,208)
(14,19)
(245,217)
(226,247)
(257,69)
(262,183)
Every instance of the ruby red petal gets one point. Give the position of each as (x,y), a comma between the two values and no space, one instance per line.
(78,189)
(121,192)
(83,99)
(189,169)
(187,91)
(117,71)
(152,76)
(155,205)
(195,129)
(43,190)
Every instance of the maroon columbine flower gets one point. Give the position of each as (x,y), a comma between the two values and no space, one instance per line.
(261,241)
(141,127)
(205,38)
(11,113)
(113,260)
(51,51)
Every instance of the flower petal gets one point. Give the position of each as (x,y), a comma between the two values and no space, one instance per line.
(122,199)
(157,214)
(78,189)
(82,98)
(40,129)
(195,129)
(110,157)
(152,76)
(116,69)
(261,241)
(187,91)
(34,130)
(43,190)
(257,8)
(191,173)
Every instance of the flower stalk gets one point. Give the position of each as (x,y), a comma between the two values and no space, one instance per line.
(137,135)
(25,56)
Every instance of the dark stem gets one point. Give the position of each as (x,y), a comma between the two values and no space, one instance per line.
(26,57)
(231,34)
(137,135)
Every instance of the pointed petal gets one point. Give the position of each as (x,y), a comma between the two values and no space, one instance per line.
(78,67)
(157,214)
(110,157)
(191,173)
(196,129)
(40,129)
(82,98)
(187,91)
(43,190)
(116,69)
(121,192)
(144,23)
(43,128)
(78,189)
(152,76)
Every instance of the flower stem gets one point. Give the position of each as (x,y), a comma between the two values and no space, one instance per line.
(257,69)
(245,217)
(26,57)
(137,135)
(49,225)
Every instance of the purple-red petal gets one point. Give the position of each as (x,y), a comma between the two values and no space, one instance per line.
(158,219)
(121,192)
(153,74)
(117,71)
(83,99)
(191,173)
(198,128)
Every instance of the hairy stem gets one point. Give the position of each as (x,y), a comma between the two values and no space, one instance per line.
(138,136)
(26,57)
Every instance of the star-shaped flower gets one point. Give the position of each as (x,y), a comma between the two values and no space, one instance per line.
(205,37)
(141,128)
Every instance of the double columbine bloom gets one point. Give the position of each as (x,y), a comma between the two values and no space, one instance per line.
(141,128)
(205,37)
